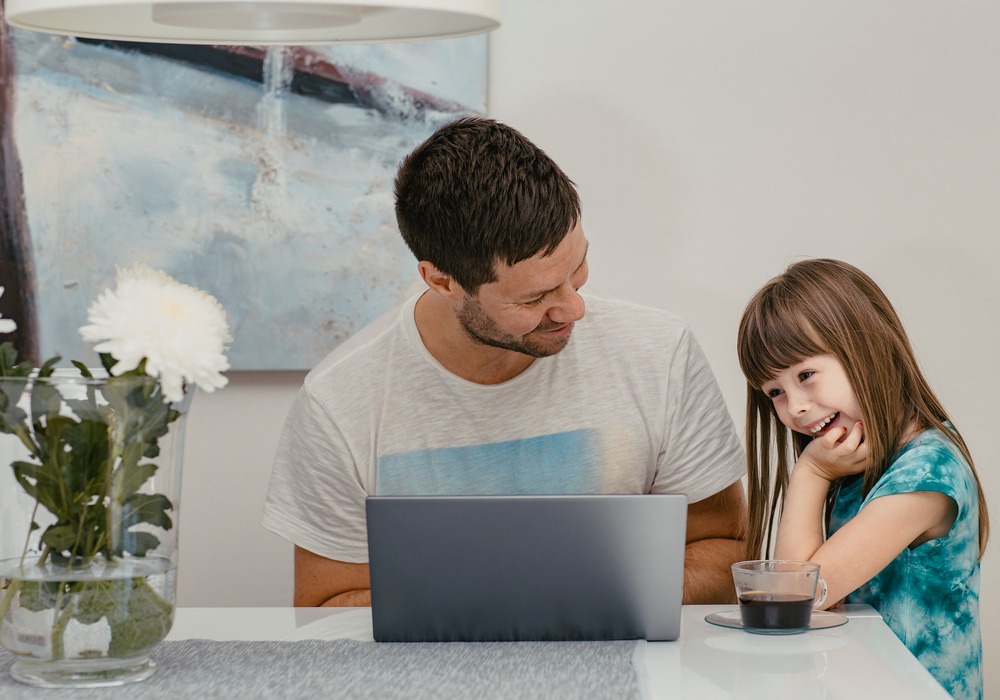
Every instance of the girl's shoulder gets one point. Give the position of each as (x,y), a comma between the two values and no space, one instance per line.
(930,447)
(929,462)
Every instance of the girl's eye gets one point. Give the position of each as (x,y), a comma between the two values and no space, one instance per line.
(805,375)
(773,393)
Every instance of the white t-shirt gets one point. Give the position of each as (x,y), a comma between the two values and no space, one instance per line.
(630,405)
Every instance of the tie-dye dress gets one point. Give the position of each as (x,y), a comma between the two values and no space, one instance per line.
(929,595)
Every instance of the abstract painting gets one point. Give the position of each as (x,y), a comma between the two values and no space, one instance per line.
(262,175)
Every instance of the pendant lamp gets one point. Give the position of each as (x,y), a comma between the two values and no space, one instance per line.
(256,22)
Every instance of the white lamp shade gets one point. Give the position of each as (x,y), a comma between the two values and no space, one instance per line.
(256,22)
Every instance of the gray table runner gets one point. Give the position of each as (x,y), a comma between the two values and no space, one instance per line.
(344,668)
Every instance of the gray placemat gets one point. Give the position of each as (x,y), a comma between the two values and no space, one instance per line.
(198,668)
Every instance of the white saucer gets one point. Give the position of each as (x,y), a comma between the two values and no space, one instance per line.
(820,620)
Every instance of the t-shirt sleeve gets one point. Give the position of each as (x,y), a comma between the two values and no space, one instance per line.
(316,497)
(701,453)
(931,466)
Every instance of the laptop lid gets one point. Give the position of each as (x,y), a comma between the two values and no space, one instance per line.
(506,568)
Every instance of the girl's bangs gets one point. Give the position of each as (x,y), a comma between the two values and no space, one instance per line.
(774,339)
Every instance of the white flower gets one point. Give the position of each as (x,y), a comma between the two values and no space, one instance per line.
(6,325)
(181,331)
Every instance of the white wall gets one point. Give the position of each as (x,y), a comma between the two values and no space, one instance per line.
(713,143)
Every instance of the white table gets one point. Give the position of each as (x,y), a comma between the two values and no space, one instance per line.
(860,659)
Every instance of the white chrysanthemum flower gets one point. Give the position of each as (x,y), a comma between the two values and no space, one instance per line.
(6,325)
(181,331)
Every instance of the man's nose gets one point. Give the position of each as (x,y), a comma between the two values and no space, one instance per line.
(569,308)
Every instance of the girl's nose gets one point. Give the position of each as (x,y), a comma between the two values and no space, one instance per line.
(798,402)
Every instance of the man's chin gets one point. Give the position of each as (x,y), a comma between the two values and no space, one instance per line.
(545,347)
(532,345)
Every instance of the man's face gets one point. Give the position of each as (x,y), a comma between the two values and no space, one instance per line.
(533,304)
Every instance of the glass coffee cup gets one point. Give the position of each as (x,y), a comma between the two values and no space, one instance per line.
(776,593)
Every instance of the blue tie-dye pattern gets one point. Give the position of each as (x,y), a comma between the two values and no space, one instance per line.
(929,596)
(549,464)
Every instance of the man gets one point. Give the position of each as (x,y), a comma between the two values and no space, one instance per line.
(494,381)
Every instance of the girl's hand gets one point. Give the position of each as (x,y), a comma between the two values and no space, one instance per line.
(836,454)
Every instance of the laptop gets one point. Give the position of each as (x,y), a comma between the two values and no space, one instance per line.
(526,568)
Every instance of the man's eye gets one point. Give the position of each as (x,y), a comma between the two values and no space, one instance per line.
(534,302)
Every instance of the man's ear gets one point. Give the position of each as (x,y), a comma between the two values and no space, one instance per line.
(439,282)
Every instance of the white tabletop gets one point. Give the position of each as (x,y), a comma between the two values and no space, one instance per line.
(860,659)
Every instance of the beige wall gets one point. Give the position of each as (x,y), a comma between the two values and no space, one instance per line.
(714,142)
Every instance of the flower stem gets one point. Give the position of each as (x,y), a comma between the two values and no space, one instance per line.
(27,537)
(59,623)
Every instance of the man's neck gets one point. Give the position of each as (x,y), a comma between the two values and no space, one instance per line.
(451,345)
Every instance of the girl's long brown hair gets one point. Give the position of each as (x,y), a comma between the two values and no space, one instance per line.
(820,307)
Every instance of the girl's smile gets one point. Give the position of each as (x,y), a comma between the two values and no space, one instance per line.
(816,428)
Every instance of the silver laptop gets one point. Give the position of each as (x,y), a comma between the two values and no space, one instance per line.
(520,568)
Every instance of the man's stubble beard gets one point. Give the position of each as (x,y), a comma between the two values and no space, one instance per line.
(483,330)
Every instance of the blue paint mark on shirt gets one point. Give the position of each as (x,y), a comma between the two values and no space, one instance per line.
(559,463)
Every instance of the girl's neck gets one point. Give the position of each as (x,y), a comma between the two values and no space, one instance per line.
(912,430)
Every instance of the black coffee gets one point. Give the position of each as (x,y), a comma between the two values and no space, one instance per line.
(775,610)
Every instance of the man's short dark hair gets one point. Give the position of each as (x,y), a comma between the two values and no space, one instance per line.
(478,192)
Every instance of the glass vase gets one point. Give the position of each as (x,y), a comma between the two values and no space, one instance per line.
(90,475)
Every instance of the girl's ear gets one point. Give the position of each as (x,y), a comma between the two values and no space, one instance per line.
(440,282)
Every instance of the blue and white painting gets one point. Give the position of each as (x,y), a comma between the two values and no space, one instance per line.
(262,175)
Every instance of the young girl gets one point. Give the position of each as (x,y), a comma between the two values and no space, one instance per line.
(882,491)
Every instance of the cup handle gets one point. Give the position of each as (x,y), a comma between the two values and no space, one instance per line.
(823,590)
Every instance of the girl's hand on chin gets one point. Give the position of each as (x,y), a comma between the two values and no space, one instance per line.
(838,453)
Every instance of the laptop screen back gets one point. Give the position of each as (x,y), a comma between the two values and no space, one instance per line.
(498,568)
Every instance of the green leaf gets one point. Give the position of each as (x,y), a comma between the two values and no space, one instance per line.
(101,599)
(85,409)
(11,390)
(9,366)
(12,417)
(38,595)
(107,361)
(45,403)
(8,358)
(146,621)
(48,367)
(60,538)
(86,463)
(139,543)
(128,480)
(42,482)
(147,508)
(84,369)
(137,615)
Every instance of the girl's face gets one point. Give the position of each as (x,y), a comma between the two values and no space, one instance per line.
(814,396)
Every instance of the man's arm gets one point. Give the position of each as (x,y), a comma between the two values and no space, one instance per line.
(329,583)
(716,529)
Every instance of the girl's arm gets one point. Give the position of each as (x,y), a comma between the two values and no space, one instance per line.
(870,540)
